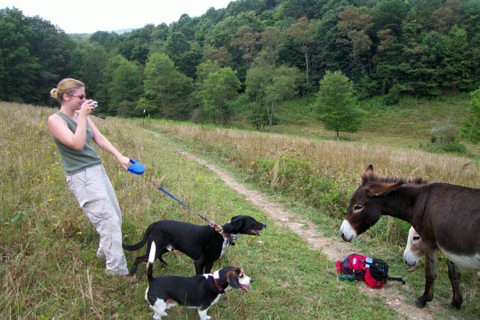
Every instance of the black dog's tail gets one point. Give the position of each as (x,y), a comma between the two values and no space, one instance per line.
(151,259)
(139,245)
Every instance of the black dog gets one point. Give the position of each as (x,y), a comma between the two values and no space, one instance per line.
(201,243)
(199,291)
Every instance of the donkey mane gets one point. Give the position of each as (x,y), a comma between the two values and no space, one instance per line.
(375,179)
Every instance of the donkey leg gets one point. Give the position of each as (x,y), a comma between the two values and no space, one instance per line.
(430,276)
(454,275)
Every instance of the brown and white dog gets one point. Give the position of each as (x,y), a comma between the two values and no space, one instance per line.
(413,250)
(199,291)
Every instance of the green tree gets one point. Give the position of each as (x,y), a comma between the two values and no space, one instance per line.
(303,34)
(302,8)
(216,91)
(103,91)
(336,104)
(188,61)
(270,41)
(17,65)
(89,60)
(52,49)
(247,42)
(447,15)
(177,44)
(354,24)
(267,87)
(126,88)
(109,40)
(205,68)
(459,65)
(470,129)
(283,86)
(34,55)
(166,90)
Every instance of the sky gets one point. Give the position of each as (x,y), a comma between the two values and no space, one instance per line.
(89,16)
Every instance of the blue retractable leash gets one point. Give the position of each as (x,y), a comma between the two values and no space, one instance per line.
(136,167)
(184,205)
(175,198)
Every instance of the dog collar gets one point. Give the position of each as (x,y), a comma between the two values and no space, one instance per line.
(217,285)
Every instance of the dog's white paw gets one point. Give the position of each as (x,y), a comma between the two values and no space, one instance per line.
(158,316)
(203,315)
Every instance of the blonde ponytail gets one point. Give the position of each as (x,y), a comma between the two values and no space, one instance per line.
(65,86)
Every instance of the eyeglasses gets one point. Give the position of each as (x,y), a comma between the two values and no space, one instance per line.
(81,97)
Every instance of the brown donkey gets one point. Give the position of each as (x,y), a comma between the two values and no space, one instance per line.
(446,216)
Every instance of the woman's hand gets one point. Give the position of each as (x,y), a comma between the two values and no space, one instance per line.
(86,108)
(123,161)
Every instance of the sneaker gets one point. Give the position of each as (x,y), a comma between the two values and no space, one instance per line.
(128,278)
(100,255)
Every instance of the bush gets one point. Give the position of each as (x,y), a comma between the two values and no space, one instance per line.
(444,134)
(301,181)
(443,139)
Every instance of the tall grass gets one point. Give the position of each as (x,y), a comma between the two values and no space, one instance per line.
(48,268)
(317,178)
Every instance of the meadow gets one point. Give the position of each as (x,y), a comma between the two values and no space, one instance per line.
(47,248)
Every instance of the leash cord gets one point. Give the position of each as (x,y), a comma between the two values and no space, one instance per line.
(215,226)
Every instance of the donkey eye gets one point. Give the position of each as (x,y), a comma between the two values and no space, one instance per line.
(416,238)
(357,207)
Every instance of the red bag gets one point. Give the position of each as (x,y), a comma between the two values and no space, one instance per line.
(357,267)
(376,273)
(352,267)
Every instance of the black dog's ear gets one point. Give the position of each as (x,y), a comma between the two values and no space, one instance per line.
(236,222)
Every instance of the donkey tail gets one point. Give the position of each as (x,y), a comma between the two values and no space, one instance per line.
(151,259)
(142,242)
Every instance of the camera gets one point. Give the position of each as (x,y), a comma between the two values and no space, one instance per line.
(95,104)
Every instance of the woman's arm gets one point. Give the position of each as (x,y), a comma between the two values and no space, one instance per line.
(106,145)
(58,128)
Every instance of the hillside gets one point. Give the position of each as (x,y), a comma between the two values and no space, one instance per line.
(407,124)
(48,248)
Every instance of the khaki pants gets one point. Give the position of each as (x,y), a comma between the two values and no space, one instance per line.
(94,192)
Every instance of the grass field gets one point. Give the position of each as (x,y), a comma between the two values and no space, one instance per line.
(47,248)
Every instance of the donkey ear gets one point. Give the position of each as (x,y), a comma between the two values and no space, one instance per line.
(381,189)
(368,174)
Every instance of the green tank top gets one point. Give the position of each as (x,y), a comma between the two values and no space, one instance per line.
(75,161)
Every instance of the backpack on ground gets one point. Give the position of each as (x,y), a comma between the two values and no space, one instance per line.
(359,267)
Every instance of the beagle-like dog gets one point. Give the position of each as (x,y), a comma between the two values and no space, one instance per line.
(199,291)
(203,244)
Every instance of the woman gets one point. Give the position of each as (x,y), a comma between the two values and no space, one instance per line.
(73,132)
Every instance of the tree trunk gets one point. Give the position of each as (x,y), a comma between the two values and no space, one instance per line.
(307,68)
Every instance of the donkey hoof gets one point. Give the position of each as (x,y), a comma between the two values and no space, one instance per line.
(456,304)
(420,302)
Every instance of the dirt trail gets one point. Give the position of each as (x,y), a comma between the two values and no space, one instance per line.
(334,250)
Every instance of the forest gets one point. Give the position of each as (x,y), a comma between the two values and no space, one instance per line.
(251,55)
